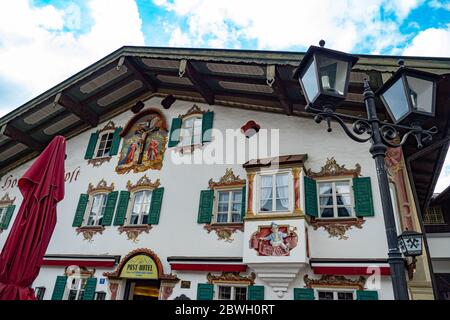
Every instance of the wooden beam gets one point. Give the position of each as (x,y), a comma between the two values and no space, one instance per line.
(129,63)
(20,136)
(199,83)
(80,110)
(280,90)
(108,89)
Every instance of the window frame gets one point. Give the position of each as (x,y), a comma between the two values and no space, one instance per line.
(131,206)
(335,292)
(3,210)
(439,215)
(196,116)
(230,190)
(81,286)
(233,291)
(334,197)
(87,213)
(97,145)
(273,173)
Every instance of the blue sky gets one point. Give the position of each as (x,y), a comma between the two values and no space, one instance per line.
(42,42)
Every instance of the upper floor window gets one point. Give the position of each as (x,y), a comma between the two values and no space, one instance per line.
(141,207)
(434,215)
(97,209)
(335,199)
(229,206)
(40,293)
(6,211)
(192,131)
(104,145)
(2,214)
(76,288)
(274,192)
(335,295)
(229,292)
(78,284)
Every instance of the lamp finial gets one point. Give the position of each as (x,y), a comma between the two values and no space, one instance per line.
(401,63)
(322,43)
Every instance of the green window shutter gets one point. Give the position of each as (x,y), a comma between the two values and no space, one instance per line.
(81,210)
(205,291)
(8,217)
(89,289)
(109,208)
(60,287)
(311,205)
(362,190)
(122,207)
(205,206)
(207,125)
(303,294)
(366,295)
(175,132)
(256,293)
(115,142)
(243,202)
(91,146)
(155,206)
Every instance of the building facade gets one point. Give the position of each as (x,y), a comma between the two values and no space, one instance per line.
(171,195)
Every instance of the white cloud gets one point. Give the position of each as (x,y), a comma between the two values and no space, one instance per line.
(345,25)
(432,42)
(37,51)
(436,4)
(444,177)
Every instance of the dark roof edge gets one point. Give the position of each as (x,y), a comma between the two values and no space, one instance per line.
(205,259)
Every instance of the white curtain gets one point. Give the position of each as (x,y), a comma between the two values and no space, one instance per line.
(283,189)
(266,190)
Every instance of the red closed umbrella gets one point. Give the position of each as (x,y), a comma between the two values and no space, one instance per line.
(42,187)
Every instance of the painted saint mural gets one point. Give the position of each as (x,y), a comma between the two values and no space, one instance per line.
(144,143)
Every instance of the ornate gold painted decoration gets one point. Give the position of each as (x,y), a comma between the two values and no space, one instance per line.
(96,162)
(224,231)
(6,200)
(192,111)
(133,232)
(79,271)
(337,227)
(228,179)
(232,277)
(89,231)
(142,183)
(332,169)
(102,187)
(334,281)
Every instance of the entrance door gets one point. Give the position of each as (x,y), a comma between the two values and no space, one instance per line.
(142,290)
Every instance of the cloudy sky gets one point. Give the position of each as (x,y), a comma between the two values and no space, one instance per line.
(42,42)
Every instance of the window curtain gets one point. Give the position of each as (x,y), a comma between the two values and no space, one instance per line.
(266,190)
(283,189)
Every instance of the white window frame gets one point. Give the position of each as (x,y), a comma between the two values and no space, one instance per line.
(290,191)
(97,146)
(335,292)
(233,290)
(230,202)
(183,130)
(87,213)
(82,280)
(3,210)
(335,206)
(131,206)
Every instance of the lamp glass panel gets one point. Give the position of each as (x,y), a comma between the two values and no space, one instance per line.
(421,93)
(396,99)
(333,74)
(309,81)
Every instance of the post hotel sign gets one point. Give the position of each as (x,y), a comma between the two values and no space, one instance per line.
(140,267)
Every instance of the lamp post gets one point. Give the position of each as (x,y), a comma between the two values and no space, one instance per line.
(409,96)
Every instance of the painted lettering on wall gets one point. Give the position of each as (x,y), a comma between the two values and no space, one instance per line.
(69,177)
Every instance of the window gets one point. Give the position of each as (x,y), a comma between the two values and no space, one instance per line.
(2,214)
(433,215)
(335,295)
(104,145)
(76,288)
(39,292)
(141,207)
(335,199)
(191,133)
(229,206)
(97,209)
(231,293)
(274,193)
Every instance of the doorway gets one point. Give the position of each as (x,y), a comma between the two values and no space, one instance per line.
(142,290)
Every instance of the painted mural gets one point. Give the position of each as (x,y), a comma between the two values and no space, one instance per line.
(274,240)
(144,143)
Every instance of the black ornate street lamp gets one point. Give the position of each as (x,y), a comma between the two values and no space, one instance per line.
(409,97)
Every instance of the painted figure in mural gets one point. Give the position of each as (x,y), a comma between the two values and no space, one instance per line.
(276,238)
(129,157)
(152,151)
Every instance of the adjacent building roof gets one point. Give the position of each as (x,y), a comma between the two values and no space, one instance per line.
(256,80)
